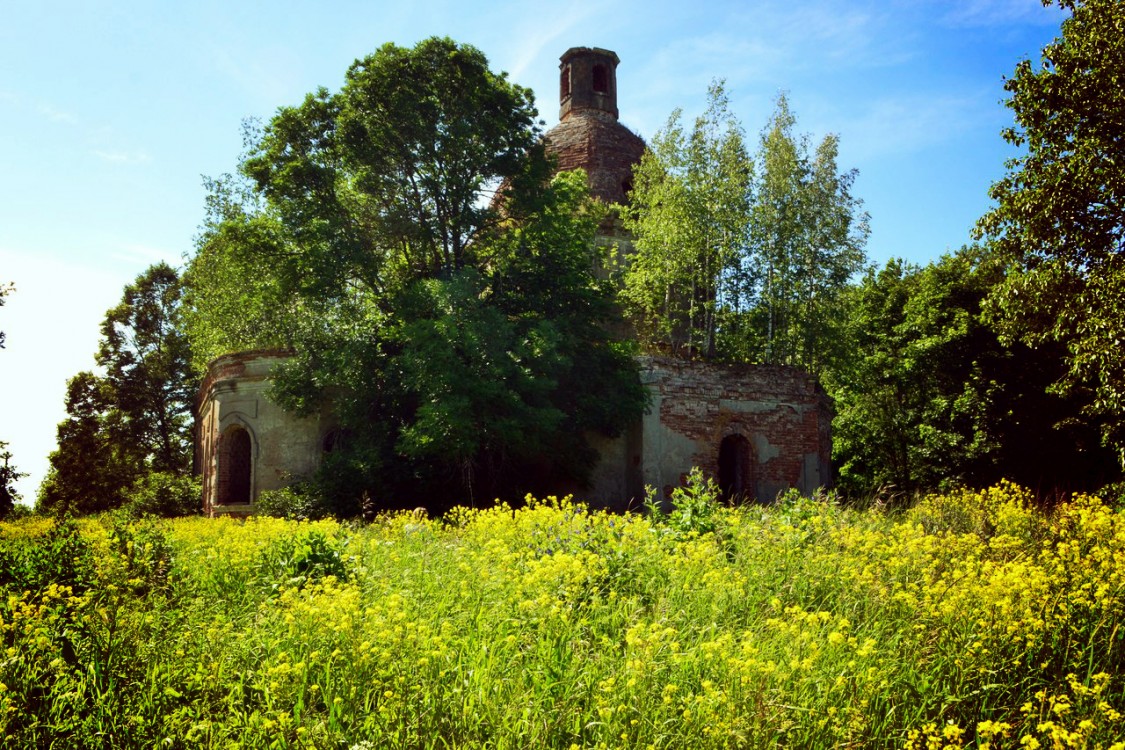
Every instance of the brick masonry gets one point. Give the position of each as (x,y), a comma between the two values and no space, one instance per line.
(776,419)
(234,409)
(605,148)
(781,413)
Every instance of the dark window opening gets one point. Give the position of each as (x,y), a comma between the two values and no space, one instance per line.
(333,441)
(601,80)
(234,468)
(627,186)
(564,83)
(735,480)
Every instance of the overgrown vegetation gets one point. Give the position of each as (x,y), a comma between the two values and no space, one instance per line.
(971,619)
(742,257)
(405,239)
(436,289)
(128,424)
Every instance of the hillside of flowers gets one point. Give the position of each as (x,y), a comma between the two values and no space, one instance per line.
(969,620)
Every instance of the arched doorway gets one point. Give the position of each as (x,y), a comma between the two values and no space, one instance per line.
(735,476)
(235,464)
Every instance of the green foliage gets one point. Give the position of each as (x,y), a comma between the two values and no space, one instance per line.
(233,298)
(164,494)
(689,278)
(9,475)
(932,396)
(61,556)
(457,339)
(1060,213)
(695,507)
(89,471)
(808,233)
(742,257)
(299,502)
(135,419)
(300,559)
(971,618)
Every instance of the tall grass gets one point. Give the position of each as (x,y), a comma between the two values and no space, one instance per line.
(970,620)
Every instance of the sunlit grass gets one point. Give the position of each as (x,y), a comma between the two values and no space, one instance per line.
(969,620)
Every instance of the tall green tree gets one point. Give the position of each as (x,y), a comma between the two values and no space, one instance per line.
(89,471)
(145,357)
(1060,210)
(9,475)
(689,215)
(931,395)
(403,238)
(738,256)
(808,232)
(135,418)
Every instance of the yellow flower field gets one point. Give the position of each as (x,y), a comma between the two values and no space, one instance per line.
(971,620)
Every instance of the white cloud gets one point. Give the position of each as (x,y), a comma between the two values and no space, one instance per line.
(56,115)
(542,32)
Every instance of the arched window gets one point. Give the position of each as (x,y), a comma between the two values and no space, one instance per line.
(235,464)
(564,82)
(601,80)
(735,480)
(333,440)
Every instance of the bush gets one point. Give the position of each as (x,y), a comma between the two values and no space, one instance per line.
(300,502)
(695,507)
(164,494)
(61,557)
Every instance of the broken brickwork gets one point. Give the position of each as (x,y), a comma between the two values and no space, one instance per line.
(588,135)
(756,430)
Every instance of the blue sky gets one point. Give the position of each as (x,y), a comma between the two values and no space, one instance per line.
(110,112)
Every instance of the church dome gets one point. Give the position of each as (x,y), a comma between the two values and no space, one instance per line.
(588,135)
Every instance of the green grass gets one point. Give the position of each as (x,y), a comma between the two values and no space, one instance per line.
(971,619)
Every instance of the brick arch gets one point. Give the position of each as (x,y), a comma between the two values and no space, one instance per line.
(235,459)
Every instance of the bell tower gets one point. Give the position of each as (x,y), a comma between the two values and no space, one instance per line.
(589,135)
(588,81)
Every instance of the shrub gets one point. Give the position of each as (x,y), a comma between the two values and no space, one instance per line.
(298,502)
(165,495)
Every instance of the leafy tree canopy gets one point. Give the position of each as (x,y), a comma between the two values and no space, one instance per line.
(9,475)
(931,395)
(135,418)
(738,256)
(5,290)
(402,237)
(1060,213)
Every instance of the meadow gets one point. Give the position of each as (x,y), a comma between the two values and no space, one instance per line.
(971,619)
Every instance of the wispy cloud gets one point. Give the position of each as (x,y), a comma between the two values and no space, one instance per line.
(123,157)
(55,115)
(904,125)
(976,13)
(543,33)
(268,76)
(772,46)
(44,110)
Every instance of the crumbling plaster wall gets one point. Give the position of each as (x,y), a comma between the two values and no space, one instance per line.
(781,411)
(284,447)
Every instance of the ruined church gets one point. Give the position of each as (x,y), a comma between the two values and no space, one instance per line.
(757,430)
